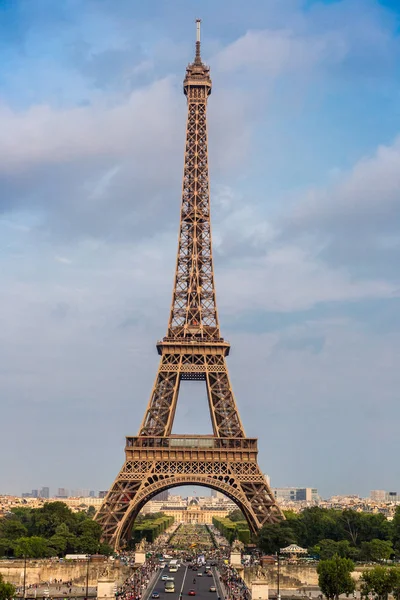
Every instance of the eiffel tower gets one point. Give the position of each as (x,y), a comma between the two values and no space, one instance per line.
(193,350)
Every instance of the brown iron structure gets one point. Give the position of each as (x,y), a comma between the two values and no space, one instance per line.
(194,350)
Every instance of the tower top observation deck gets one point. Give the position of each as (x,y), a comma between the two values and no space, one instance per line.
(197,73)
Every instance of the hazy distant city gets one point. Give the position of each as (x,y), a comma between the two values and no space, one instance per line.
(294,498)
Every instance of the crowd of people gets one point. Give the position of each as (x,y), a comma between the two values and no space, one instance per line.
(135,585)
(235,587)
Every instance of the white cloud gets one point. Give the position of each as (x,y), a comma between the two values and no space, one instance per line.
(278,51)
(367,197)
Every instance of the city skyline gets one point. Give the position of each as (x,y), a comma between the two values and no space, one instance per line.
(305,200)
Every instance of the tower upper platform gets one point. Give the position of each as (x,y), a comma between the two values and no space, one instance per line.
(197,73)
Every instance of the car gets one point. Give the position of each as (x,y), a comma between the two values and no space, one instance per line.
(199,574)
(213,588)
(191,593)
(164,578)
(209,574)
(155,595)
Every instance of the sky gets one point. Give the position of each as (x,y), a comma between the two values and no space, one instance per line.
(304,150)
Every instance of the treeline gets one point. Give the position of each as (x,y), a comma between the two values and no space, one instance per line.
(323,532)
(52,530)
(232,530)
(150,526)
(326,532)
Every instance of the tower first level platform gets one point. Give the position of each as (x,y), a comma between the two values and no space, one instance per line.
(154,464)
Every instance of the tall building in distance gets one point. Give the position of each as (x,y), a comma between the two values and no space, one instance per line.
(378,495)
(296,494)
(215,494)
(103,493)
(162,496)
(44,492)
(62,493)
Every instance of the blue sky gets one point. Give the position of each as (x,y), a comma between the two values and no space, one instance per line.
(304,134)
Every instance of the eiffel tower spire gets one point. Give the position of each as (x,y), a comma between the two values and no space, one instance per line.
(193,349)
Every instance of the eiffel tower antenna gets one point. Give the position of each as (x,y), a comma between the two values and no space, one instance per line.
(192,350)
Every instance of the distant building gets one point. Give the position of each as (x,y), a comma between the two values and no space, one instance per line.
(35,494)
(103,494)
(162,496)
(44,492)
(392,497)
(62,493)
(296,494)
(92,494)
(384,496)
(378,495)
(215,494)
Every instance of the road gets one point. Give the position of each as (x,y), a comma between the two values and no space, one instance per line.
(184,582)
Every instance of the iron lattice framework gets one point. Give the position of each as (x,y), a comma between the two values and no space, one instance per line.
(193,349)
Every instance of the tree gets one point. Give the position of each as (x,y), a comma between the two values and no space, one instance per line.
(236,515)
(63,541)
(396,529)
(32,547)
(11,528)
(334,577)
(88,540)
(328,548)
(274,536)
(380,581)
(376,550)
(7,590)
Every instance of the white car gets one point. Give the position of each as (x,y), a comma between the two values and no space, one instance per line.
(165,578)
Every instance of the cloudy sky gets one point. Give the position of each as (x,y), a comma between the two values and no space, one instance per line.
(304,135)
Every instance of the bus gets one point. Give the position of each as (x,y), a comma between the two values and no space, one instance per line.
(173,566)
(169,586)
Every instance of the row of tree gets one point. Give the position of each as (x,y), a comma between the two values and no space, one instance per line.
(52,530)
(334,578)
(326,532)
(150,526)
(232,530)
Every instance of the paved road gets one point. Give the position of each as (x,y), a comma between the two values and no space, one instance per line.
(184,582)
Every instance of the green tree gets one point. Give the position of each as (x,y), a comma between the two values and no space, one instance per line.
(396,529)
(236,515)
(88,540)
(328,548)
(274,536)
(32,547)
(11,528)
(63,541)
(334,577)
(376,550)
(7,590)
(380,582)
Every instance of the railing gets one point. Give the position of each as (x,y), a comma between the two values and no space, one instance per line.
(199,441)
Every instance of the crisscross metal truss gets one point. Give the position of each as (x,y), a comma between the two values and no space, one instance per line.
(192,350)
(194,310)
(201,365)
(138,481)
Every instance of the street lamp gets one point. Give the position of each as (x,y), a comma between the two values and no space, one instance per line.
(278,594)
(24,574)
(87,578)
